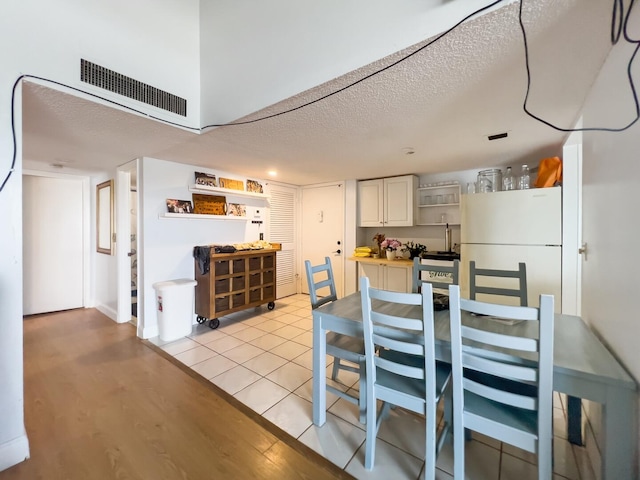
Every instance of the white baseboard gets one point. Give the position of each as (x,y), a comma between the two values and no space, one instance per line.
(150,332)
(14,452)
(108,311)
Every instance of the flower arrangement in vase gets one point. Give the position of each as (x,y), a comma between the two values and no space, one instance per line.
(415,249)
(379,238)
(391,245)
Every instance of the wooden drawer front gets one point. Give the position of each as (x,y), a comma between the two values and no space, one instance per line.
(268,261)
(222,285)
(221,267)
(238,299)
(237,283)
(222,304)
(255,295)
(255,263)
(255,279)
(268,293)
(238,265)
(267,277)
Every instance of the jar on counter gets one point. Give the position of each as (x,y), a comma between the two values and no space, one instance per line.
(508,182)
(524,180)
(489,180)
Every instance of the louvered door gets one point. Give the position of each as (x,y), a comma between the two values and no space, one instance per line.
(282,229)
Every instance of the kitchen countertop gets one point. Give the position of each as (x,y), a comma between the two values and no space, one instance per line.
(398,262)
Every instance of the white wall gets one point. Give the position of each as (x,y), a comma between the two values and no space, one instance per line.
(167,243)
(255,54)
(155,42)
(611,187)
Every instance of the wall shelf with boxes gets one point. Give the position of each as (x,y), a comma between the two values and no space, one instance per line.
(209,201)
(438,205)
(227,191)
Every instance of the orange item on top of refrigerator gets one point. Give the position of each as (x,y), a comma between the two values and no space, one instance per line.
(549,172)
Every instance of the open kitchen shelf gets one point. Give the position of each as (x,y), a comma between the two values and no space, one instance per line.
(438,205)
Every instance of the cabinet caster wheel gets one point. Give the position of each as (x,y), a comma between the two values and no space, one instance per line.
(200,319)
(214,323)
(271,305)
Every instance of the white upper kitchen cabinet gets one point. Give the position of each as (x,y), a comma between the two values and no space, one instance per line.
(387,202)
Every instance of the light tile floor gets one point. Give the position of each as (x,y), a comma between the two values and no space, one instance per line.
(263,359)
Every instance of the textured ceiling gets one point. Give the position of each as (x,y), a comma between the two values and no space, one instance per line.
(442,103)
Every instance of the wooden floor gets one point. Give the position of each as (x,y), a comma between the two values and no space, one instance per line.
(102,404)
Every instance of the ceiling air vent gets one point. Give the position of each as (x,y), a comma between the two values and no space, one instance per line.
(127,86)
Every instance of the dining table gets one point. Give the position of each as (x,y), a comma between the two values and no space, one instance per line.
(583,368)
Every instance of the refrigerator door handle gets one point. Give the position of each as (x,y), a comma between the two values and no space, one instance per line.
(583,251)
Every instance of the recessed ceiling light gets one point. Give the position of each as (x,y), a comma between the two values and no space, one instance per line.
(272,173)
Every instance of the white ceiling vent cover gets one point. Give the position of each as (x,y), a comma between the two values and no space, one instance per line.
(115,82)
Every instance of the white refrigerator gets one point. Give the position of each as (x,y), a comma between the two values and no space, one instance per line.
(501,229)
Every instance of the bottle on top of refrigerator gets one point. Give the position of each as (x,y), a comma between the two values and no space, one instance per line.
(524,179)
(508,181)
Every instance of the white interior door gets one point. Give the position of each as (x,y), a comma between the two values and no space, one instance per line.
(282,229)
(323,229)
(53,266)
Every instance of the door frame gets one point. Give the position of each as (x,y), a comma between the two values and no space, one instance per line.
(572,227)
(340,286)
(87,284)
(123,243)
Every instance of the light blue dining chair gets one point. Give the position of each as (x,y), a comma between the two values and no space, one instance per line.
(520,275)
(342,348)
(501,408)
(405,373)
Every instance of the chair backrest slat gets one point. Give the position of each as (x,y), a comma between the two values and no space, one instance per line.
(432,272)
(500,396)
(499,339)
(500,369)
(520,275)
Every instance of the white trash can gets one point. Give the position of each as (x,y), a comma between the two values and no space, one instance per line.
(174,301)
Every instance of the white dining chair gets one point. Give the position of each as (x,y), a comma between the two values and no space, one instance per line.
(501,409)
(405,372)
(434,274)
(520,275)
(342,348)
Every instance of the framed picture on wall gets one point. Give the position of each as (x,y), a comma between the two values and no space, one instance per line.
(237,210)
(254,186)
(206,179)
(179,206)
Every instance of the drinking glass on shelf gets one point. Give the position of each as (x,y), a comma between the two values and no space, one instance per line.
(443,218)
(451,198)
(428,200)
(440,199)
(471,187)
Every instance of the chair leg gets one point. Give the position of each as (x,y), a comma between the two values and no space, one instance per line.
(336,368)
(362,397)
(371,433)
(430,445)
(545,460)
(458,443)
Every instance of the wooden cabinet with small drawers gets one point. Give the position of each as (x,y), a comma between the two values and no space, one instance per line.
(234,282)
